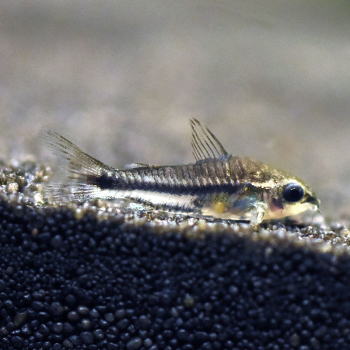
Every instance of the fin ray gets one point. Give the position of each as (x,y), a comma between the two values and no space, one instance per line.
(204,143)
(79,170)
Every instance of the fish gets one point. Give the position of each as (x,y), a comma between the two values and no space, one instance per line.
(218,185)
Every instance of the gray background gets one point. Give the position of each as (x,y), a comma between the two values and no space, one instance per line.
(121,78)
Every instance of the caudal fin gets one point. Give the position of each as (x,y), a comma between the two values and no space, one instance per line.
(76,178)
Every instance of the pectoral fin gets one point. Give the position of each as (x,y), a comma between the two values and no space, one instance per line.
(257,213)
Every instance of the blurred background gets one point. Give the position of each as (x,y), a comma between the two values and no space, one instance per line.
(121,79)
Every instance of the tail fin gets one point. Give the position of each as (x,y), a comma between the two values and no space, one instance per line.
(77,180)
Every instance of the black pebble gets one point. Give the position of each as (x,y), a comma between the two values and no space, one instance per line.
(89,284)
(144,322)
(56,309)
(17,342)
(87,337)
(134,344)
(2,285)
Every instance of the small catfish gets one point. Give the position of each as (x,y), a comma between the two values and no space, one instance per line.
(217,185)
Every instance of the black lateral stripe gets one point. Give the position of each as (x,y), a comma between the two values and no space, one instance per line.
(106,182)
(202,177)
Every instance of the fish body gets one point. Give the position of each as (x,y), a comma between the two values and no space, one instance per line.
(218,184)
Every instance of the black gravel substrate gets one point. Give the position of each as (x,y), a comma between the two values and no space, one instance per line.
(88,284)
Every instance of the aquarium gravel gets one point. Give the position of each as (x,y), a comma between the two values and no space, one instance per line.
(87,277)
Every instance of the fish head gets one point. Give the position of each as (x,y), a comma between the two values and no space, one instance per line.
(270,193)
(260,193)
(289,196)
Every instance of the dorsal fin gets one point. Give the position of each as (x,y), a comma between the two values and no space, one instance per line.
(204,143)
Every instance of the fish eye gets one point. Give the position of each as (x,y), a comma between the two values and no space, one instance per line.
(293,192)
